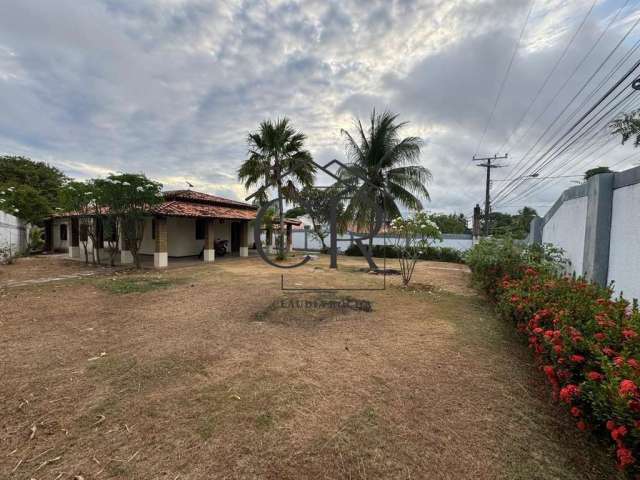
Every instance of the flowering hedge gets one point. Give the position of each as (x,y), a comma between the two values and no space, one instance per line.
(588,346)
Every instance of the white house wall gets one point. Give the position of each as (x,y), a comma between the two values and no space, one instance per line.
(566,229)
(181,236)
(58,243)
(624,251)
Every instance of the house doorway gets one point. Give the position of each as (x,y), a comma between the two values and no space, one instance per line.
(235,237)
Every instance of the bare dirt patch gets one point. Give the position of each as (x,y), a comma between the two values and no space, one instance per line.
(205,380)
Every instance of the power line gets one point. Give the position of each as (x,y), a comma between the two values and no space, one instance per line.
(607,140)
(606,59)
(548,77)
(578,122)
(582,152)
(506,75)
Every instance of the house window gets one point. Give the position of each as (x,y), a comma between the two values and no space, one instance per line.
(84,232)
(63,232)
(201,225)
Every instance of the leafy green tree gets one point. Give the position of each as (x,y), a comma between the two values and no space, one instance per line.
(30,188)
(515,226)
(128,197)
(390,164)
(451,223)
(627,126)
(317,204)
(413,236)
(25,202)
(277,157)
(595,171)
(81,199)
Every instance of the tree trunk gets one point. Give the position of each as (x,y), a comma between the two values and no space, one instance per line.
(281,255)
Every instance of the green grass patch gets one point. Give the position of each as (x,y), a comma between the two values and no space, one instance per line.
(127,285)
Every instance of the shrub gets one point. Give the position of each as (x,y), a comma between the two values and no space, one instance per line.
(36,240)
(438,254)
(493,258)
(586,343)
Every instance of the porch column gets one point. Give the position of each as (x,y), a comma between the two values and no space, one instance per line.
(289,237)
(244,238)
(126,257)
(74,240)
(161,253)
(209,253)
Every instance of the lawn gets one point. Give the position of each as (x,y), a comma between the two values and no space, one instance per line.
(213,372)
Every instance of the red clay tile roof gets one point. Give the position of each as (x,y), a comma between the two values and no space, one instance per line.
(198,197)
(179,208)
(187,203)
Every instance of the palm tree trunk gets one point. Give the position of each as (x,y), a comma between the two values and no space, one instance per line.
(281,255)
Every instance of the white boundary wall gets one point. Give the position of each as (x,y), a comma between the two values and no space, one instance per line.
(460,242)
(571,218)
(13,233)
(624,252)
(598,226)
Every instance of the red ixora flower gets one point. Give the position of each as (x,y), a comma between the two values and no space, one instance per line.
(568,392)
(618,433)
(633,363)
(629,334)
(576,412)
(625,458)
(595,376)
(581,426)
(577,358)
(627,388)
(599,336)
(619,361)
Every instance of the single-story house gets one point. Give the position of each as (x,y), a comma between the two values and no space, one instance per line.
(186,223)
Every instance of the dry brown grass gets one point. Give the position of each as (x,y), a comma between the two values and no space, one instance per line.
(215,376)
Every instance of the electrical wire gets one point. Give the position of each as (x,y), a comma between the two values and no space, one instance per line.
(506,74)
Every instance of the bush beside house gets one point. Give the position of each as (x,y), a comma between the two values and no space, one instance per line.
(586,342)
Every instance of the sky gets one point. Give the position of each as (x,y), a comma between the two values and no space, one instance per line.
(171,88)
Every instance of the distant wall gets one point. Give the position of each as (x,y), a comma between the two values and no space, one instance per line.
(460,242)
(13,233)
(598,226)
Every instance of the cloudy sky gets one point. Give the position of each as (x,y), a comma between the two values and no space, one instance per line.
(172,87)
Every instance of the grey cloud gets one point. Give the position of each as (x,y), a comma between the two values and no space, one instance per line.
(172,88)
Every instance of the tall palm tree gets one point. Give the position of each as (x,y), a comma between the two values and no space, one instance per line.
(277,157)
(391,166)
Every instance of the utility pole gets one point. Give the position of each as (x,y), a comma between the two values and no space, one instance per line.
(487,201)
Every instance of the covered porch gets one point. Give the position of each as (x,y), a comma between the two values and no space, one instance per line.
(165,239)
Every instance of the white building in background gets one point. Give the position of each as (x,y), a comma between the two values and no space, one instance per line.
(14,234)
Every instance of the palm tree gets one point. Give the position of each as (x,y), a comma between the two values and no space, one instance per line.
(628,125)
(391,166)
(277,158)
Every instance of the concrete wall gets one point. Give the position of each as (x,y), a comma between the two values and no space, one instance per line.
(58,243)
(624,250)
(571,217)
(461,242)
(598,226)
(13,233)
